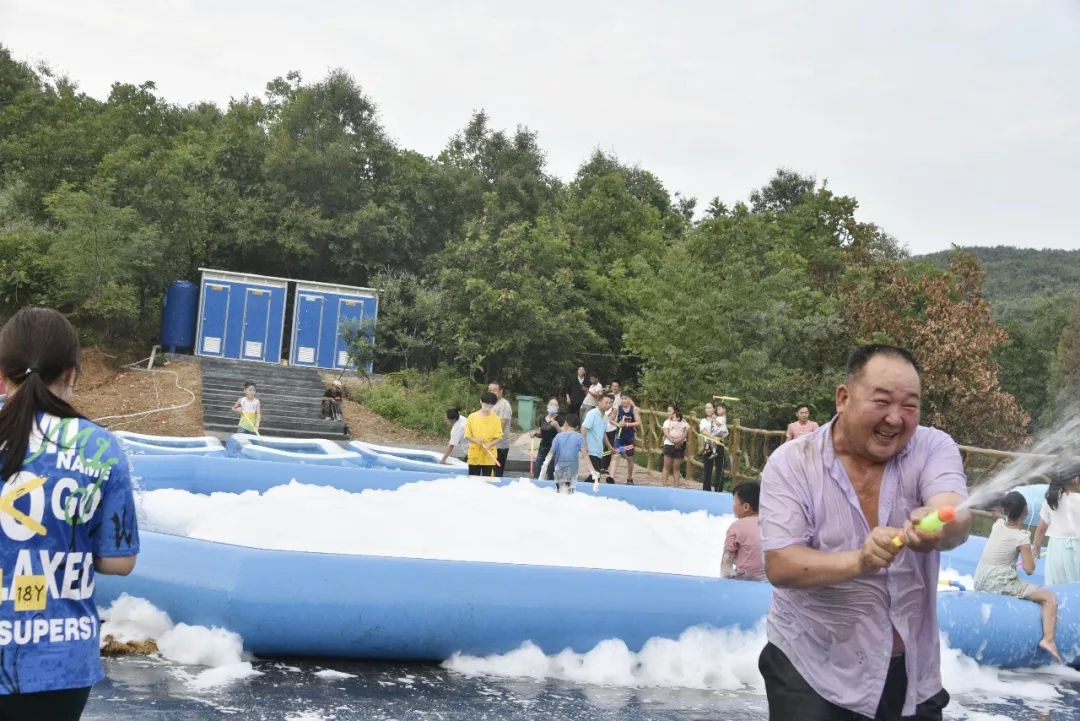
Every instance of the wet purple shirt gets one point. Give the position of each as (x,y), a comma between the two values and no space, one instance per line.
(840,637)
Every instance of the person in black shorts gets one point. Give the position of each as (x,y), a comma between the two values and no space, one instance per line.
(627,421)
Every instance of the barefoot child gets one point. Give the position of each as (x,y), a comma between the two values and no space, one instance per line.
(250,409)
(996,572)
(743,559)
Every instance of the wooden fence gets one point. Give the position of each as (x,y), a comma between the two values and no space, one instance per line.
(749,448)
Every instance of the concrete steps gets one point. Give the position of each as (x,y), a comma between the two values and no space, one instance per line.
(290,397)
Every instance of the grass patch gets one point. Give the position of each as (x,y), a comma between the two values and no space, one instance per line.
(419,400)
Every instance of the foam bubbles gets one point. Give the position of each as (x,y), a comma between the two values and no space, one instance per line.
(136,619)
(533,525)
(701,658)
(726,660)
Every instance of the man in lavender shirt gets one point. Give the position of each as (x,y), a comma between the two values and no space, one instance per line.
(852,629)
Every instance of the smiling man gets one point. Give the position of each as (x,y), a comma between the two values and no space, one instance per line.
(852,629)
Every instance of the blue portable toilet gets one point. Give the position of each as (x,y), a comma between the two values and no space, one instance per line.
(241,316)
(319,309)
(180,316)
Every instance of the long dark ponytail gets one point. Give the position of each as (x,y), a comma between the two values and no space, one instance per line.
(37,346)
(1060,481)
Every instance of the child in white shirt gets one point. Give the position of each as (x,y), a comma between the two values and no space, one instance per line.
(996,572)
(250,409)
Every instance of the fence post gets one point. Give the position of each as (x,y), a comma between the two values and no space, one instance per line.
(735,437)
(647,428)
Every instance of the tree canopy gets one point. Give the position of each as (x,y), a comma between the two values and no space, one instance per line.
(490,265)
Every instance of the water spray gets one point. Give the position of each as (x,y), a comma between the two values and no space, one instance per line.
(1050,452)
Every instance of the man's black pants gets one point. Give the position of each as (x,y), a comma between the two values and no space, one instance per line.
(792,699)
(502,454)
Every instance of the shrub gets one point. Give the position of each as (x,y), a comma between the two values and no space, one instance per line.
(418,400)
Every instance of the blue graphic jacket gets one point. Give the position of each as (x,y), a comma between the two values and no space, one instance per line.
(71,502)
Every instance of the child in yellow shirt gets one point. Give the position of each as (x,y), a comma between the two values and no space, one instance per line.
(483,430)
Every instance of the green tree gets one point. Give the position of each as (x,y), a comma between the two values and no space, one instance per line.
(1064,387)
(106,259)
(1027,357)
(358,337)
(509,302)
(408,309)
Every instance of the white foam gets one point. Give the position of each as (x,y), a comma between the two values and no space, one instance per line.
(473,521)
(329,673)
(726,660)
(130,619)
(701,658)
(201,646)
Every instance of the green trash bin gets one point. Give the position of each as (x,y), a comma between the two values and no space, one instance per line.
(527,412)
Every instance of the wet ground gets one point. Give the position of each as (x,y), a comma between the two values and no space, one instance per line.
(144,689)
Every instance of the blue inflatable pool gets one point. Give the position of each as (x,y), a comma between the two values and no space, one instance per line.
(316,451)
(408,459)
(144,444)
(285,602)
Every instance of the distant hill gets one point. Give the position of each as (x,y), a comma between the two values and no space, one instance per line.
(1017,277)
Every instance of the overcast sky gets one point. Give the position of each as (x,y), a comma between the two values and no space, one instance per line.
(955,122)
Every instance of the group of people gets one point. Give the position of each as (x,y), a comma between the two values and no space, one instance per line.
(486,431)
(852,629)
(567,441)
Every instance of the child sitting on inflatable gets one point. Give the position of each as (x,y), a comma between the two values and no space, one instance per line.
(996,572)
(743,559)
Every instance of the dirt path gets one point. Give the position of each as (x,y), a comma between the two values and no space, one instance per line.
(106,389)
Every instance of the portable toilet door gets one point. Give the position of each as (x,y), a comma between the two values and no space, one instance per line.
(307,326)
(348,310)
(256,323)
(214,317)
(242,316)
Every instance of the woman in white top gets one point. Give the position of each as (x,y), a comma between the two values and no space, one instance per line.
(996,572)
(1060,520)
(675,432)
(457,432)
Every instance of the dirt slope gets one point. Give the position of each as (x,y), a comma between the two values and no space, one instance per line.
(105,389)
